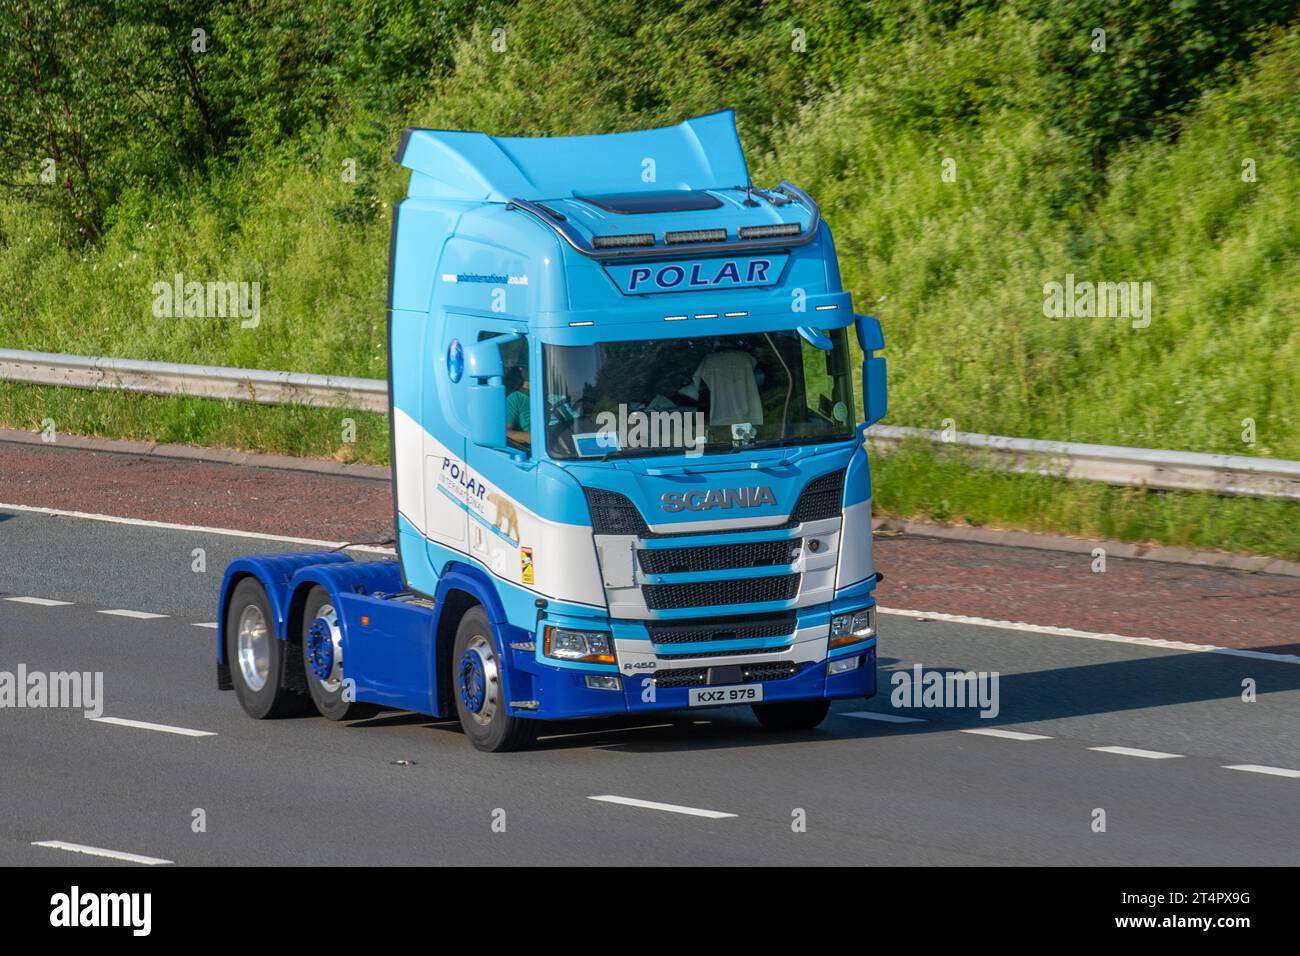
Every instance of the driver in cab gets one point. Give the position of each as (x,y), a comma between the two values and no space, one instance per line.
(519,418)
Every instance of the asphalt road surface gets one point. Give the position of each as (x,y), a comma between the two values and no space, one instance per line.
(920,786)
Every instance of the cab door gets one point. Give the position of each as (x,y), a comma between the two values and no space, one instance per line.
(444,446)
(500,480)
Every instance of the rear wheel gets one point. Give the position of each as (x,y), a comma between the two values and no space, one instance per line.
(479,691)
(268,679)
(322,660)
(792,715)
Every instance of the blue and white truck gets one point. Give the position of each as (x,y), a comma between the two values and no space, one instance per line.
(628,470)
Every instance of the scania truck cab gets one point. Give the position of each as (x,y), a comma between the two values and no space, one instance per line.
(627,452)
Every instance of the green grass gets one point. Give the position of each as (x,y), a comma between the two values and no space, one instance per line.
(912,482)
(276,429)
(955,270)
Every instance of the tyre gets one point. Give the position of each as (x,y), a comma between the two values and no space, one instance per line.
(322,660)
(480,695)
(267,676)
(792,715)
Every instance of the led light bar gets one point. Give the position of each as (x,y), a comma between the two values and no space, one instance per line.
(769,232)
(695,235)
(619,242)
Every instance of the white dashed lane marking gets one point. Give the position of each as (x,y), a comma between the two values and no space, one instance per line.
(1271,771)
(667,807)
(884,718)
(100,851)
(1134,752)
(145,725)
(672,808)
(1004,734)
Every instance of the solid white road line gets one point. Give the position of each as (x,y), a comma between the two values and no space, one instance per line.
(1092,635)
(669,807)
(39,602)
(170,526)
(161,728)
(139,615)
(885,718)
(211,624)
(1272,771)
(100,851)
(1134,752)
(1005,734)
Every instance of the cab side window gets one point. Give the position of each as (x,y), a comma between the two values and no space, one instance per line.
(514,361)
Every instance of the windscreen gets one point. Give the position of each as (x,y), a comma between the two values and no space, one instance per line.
(713,394)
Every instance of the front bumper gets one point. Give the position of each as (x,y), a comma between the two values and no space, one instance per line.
(559,693)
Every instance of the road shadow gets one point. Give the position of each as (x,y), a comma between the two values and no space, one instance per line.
(1027,698)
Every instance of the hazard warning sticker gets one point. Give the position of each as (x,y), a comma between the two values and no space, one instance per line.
(526,564)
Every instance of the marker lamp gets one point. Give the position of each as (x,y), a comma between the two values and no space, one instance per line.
(591,647)
(769,232)
(853,627)
(615,241)
(695,235)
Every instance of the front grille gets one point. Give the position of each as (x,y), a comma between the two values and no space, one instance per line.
(775,670)
(757,554)
(821,498)
(692,632)
(699,676)
(612,513)
(694,655)
(664,597)
(682,677)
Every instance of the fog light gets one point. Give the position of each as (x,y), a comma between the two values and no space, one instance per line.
(839,666)
(603,682)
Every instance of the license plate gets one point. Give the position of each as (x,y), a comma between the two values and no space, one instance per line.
(717,696)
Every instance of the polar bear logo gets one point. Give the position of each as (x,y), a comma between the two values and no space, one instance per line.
(507,520)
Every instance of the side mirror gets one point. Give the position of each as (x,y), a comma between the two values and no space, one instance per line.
(872,339)
(487,415)
(487,392)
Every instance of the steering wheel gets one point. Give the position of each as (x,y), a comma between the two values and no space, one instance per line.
(563,439)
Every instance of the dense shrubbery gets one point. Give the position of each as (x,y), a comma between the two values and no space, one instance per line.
(1118,165)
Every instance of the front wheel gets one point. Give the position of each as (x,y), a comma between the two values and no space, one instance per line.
(792,715)
(479,691)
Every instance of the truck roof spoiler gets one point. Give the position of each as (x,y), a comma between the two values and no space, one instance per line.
(699,153)
(748,238)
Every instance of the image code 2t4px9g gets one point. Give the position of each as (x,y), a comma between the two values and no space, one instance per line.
(628,460)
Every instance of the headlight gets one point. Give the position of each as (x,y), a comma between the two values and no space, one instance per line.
(593,647)
(853,627)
